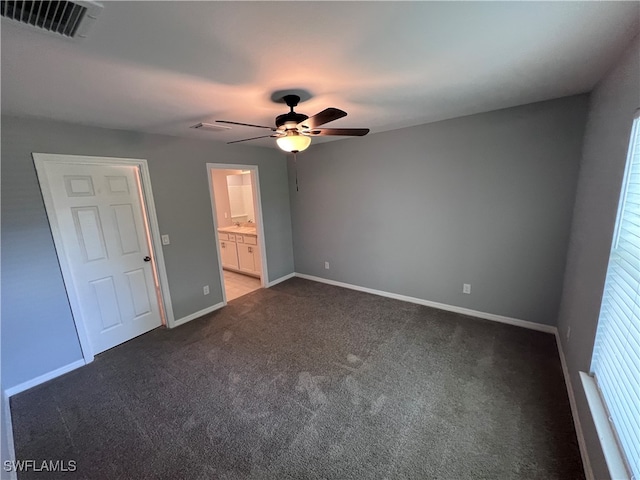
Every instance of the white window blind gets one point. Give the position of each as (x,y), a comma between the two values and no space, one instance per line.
(616,357)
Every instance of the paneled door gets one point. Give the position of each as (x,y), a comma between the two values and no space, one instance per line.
(101,223)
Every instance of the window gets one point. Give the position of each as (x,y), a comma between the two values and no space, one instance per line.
(616,356)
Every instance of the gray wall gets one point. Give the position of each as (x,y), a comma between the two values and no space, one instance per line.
(38,333)
(485,199)
(610,118)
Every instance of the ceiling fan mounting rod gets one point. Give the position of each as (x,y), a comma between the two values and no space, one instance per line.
(291,119)
(291,101)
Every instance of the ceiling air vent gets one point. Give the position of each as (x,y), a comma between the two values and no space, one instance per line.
(69,19)
(210,127)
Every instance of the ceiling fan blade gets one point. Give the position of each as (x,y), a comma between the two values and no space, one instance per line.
(327,115)
(252,138)
(347,132)
(246,124)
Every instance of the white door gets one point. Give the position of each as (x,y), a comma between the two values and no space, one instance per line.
(100,218)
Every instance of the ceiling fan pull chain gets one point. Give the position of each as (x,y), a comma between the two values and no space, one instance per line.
(295,167)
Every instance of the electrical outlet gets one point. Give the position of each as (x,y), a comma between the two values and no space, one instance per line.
(205,289)
(466,288)
(165,240)
(568,332)
(226,215)
(326,265)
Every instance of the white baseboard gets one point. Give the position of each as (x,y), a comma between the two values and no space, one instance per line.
(8,437)
(44,378)
(441,306)
(281,279)
(574,411)
(199,314)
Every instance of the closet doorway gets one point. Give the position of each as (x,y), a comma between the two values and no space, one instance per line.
(235,196)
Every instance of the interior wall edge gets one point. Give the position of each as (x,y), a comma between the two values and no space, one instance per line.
(198,314)
(8,446)
(281,279)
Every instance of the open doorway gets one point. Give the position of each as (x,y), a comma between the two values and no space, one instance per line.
(237,216)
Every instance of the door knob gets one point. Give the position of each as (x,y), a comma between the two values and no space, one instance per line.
(147,259)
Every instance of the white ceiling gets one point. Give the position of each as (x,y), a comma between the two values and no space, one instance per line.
(160,67)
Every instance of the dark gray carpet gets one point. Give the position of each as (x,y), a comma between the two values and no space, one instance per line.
(310,381)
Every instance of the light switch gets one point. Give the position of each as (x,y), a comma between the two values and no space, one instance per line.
(165,240)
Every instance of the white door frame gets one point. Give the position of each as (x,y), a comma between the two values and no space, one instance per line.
(40,161)
(264,275)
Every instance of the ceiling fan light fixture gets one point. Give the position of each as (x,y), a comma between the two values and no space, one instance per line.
(293,131)
(293,142)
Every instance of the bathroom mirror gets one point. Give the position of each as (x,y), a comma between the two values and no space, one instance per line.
(241,198)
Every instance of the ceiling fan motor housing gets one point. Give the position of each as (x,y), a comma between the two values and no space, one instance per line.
(291,118)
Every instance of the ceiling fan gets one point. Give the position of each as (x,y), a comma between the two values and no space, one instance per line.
(293,131)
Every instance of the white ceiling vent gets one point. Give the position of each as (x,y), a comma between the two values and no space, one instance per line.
(69,19)
(211,127)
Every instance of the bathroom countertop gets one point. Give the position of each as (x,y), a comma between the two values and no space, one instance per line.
(240,230)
